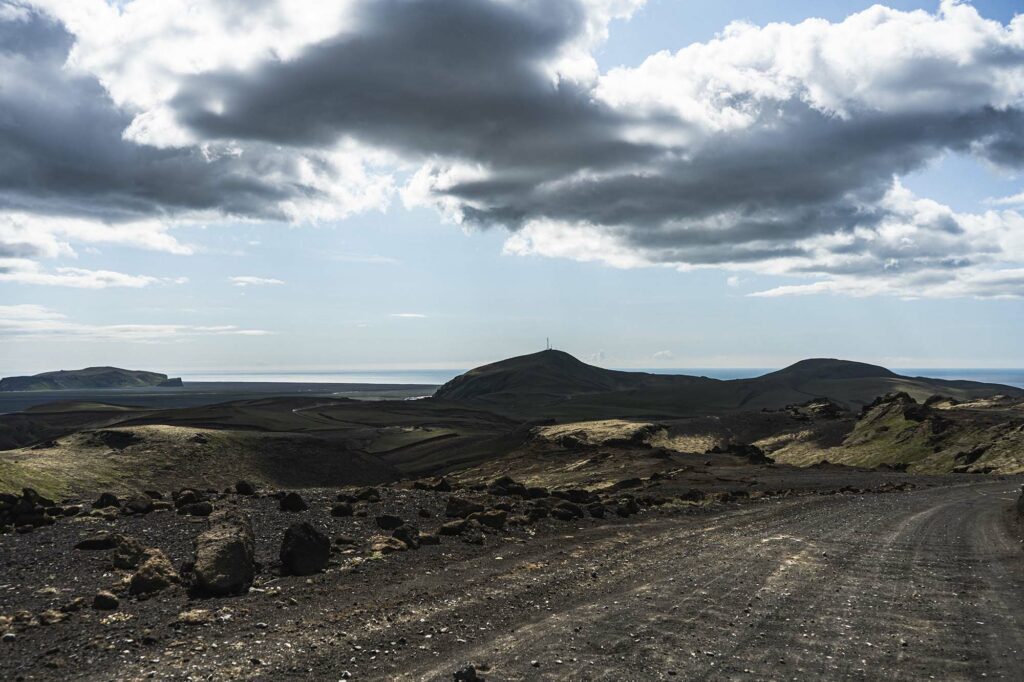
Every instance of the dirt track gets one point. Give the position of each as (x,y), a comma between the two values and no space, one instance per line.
(904,585)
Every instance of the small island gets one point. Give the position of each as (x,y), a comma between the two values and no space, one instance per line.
(88,378)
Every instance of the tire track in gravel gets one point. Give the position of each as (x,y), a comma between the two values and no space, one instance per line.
(898,566)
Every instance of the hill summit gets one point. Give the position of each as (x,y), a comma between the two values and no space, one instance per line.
(547,375)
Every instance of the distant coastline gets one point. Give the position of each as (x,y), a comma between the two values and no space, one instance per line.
(1008,376)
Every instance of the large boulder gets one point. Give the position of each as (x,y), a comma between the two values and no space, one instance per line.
(304,550)
(225,560)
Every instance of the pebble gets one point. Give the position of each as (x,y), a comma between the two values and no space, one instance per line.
(9,637)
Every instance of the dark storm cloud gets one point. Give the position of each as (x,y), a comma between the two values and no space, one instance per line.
(458,78)
(465,79)
(62,152)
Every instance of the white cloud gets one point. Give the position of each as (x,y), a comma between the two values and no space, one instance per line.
(1014,200)
(664,355)
(249,281)
(37,321)
(417,316)
(24,271)
(734,281)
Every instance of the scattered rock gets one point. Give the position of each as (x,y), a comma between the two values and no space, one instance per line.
(100,541)
(459,507)
(507,486)
(245,488)
(439,485)
(304,550)
(106,500)
(567,511)
(128,553)
(139,504)
(105,601)
(194,617)
(186,496)
(293,502)
(467,674)
(493,518)
(342,509)
(453,527)
(51,617)
(225,559)
(196,509)
(386,544)
(389,522)
(409,535)
(155,573)
(429,539)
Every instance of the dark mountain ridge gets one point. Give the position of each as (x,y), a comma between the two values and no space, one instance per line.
(553,382)
(90,377)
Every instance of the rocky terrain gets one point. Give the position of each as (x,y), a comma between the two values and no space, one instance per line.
(316,537)
(432,580)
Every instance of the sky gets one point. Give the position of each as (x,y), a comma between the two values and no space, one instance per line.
(226,186)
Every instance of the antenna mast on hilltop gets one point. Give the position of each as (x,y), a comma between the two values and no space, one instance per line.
(547,341)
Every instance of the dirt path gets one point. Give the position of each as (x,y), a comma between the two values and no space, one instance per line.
(902,585)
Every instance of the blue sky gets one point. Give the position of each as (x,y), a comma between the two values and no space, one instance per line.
(405,287)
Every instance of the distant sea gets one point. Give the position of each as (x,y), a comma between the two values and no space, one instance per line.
(1011,377)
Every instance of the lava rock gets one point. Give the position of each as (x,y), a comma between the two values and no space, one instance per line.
(459,507)
(225,556)
(139,504)
(567,511)
(100,541)
(385,544)
(389,522)
(304,550)
(453,527)
(106,500)
(293,502)
(245,488)
(342,509)
(155,573)
(105,601)
(196,509)
(407,534)
(128,552)
(467,674)
(493,518)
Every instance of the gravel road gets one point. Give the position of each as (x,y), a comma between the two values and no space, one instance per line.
(902,586)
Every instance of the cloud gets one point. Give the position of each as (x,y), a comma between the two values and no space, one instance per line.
(734,281)
(774,150)
(37,321)
(1015,200)
(417,316)
(24,271)
(664,355)
(248,281)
